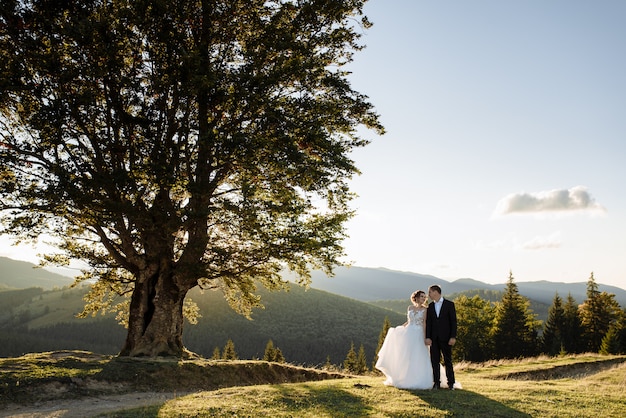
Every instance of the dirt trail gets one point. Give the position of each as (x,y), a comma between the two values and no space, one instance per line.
(87,407)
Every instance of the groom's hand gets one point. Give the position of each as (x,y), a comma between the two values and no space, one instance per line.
(452,341)
(428,341)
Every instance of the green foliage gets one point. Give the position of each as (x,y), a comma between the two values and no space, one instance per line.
(381,338)
(307,325)
(515,327)
(216,354)
(176,144)
(611,343)
(572,328)
(361,361)
(554,327)
(598,313)
(229,353)
(475,318)
(350,363)
(273,353)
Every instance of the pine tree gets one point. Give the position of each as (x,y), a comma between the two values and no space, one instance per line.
(381,338)
(610,342)
(278,356)
(216,354)
(554,327)
(350,363)
(270,351)
(598,313)
(229,352)
(361,361)
(621,332)
(515,329)
(273,353)
(572,327)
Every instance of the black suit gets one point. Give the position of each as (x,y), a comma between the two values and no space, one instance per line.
(440,330)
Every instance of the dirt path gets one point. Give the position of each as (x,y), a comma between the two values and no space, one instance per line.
(87,407)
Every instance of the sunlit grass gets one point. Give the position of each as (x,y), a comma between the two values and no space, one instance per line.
(602,393)
(587,385)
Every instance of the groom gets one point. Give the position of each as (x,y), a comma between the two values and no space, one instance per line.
(440,334)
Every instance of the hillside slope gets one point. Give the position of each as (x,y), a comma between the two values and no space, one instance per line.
(308,326)
(21,274)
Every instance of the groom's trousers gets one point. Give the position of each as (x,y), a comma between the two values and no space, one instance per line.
(437,349)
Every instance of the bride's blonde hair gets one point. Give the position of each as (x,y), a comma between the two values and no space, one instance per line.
(416,294)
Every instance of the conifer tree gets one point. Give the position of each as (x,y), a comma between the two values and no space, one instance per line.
(554,327)
(381,338)
(273,353)
(270,351)
(572,327)
(216,354)
(515,328)
(350,364)
(361,361)
(278,356)
(621,332)
(229,352)
(598,313)
(610,342)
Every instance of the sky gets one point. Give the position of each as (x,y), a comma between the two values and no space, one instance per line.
(505,149)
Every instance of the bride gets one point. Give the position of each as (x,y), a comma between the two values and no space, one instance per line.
(404,357)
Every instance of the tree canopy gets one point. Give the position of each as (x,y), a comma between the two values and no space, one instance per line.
(515,327)
(176,144)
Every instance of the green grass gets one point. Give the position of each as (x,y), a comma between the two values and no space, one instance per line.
(570,386)
(486,392)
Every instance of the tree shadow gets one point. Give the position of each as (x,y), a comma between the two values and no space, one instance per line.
(330,401)
(464,403)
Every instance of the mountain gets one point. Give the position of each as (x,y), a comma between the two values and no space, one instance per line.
(374,284)
(308,326)
(21,274)
(360,283)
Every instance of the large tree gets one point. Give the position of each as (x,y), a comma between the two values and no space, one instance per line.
(598,313)
(475,318)
(573,341)
(515,325)
(175,144)
(554,327)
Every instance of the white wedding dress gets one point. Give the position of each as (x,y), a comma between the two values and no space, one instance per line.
(404,358)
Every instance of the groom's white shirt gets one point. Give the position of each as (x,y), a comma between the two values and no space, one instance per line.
(438,306)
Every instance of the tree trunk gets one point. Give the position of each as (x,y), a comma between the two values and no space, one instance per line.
(155,325)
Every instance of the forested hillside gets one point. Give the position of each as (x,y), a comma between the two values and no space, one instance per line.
(308,326)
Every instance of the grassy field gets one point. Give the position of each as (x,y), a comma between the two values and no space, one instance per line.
(570,386)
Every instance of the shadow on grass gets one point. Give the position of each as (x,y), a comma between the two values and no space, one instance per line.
(464,403)
(329,401)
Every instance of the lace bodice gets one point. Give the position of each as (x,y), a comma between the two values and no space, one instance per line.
(416,317)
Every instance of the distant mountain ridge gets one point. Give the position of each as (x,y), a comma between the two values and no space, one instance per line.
(16,274)
(361,283)
(373,284)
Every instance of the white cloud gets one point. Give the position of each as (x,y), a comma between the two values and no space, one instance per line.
(576,199)
(493,245)
(543,242)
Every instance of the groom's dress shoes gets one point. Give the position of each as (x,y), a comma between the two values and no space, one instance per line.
(436,386)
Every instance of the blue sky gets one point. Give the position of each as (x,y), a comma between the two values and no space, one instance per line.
(506,140)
